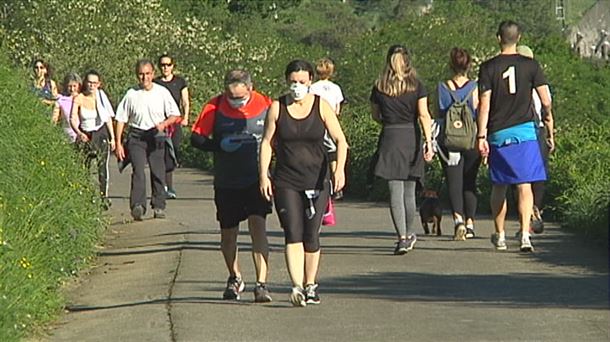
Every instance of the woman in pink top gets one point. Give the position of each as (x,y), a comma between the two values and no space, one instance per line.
(63,106)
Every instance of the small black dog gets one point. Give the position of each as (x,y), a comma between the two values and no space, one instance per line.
(430,211)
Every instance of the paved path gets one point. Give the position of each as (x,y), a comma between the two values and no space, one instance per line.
(162,280)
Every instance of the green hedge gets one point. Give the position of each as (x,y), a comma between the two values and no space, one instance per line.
(49,222)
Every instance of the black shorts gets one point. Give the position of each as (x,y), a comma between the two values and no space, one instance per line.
(235,205)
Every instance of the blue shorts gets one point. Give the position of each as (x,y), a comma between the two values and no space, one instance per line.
(516,163)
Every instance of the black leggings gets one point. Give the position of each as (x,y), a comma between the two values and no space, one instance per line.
(462,183)
(291,206)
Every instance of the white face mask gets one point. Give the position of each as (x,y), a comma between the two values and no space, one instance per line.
(238,103)
(298,90)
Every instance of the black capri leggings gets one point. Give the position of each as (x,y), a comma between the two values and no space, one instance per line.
(462,183)
(291,207)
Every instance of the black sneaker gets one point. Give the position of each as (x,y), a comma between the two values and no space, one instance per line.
(401,247)
(311,294)
(235,286)
(261,293)
(137,212)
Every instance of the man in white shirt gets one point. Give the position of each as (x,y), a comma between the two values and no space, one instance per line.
(148,109)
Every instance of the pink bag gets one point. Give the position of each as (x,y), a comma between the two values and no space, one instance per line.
(328,219)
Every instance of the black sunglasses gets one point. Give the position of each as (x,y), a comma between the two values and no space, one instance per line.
(165,64)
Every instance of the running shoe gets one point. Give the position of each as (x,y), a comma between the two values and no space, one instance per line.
(159,213)
(401,247)
(500,244)
(337,196)
(459,233)
(170,193)
(537,225)
(137,212)
(261,293)
(235,286)
(297,297)
(311,294)
(518,233)
(526,244)
(411,239)
(469,233)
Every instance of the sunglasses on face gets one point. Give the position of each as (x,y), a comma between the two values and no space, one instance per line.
(166,65)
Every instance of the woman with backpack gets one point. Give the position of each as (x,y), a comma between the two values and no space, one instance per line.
(460,167)
(398,101)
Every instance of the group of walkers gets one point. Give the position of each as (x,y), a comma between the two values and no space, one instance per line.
(245,130)
(511,105)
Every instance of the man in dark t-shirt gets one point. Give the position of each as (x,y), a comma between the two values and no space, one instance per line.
(231,125)
(178,87)
(507,131)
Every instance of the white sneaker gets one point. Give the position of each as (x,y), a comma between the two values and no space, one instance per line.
(500,244)
(526,244)
(297,297)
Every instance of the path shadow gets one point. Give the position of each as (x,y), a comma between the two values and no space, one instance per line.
(516,290)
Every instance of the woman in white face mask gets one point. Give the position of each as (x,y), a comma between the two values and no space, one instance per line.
(296,122)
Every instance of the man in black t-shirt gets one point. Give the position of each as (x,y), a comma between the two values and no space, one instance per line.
(507,131)
(178,87)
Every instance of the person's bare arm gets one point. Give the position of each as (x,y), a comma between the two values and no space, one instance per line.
(75,119)
(120,151)
(186,106)
(266,151)
(482,119)
(56,113)
(425,121)
(547,117)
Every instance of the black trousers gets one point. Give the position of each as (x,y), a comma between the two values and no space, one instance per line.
(143,147)
(97,150)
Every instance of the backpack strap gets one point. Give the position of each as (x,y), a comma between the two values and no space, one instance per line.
(453,94)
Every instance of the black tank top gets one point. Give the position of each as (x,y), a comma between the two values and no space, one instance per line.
(301,158)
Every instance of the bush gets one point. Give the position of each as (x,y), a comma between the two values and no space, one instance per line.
(49,220)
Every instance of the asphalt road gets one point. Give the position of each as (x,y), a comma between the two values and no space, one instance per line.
(162,280)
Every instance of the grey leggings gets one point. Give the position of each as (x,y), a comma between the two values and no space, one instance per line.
(402,206)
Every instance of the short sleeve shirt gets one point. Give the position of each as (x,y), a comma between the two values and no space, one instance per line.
(174,86)
(144,109)
(511,79)
(401,109)
(329,91)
